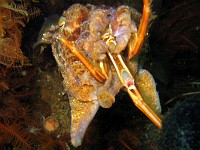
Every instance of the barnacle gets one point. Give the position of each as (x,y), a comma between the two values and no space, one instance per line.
(51,124)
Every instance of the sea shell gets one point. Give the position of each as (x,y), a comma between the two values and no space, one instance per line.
(84,27)
(84,92)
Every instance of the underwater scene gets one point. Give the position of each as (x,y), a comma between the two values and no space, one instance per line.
(99,75)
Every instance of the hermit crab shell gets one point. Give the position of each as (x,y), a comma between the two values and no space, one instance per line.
(78,27)
(88,28)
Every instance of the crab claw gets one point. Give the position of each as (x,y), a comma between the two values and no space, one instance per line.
(128,81)
(140,103)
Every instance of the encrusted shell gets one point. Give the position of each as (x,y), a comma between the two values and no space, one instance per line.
(87,28)
(81,29)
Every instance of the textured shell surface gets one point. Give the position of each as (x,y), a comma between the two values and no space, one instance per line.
(83,27)
(88,28)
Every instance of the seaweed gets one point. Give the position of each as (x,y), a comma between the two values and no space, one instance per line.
(14,119)
(14,7)
(16,116)
(17,135)
(12,18)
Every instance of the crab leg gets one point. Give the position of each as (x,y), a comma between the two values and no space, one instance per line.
(135,46)
(123,72)
(93,69)
(128,81)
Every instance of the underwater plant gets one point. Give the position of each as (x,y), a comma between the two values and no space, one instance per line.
(17,135)
(14,115)
(12,18)
(22,123)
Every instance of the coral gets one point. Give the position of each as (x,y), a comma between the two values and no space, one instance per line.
(22,117)
(17,135)
(14,120)
(16,117)
(11,21)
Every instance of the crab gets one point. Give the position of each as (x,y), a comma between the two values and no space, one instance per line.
(89,44)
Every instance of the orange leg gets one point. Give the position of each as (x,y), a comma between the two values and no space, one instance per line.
(128,81)
(123,72)
(93,69)
(142,31)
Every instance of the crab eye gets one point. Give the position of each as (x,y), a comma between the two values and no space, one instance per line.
(61,22)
